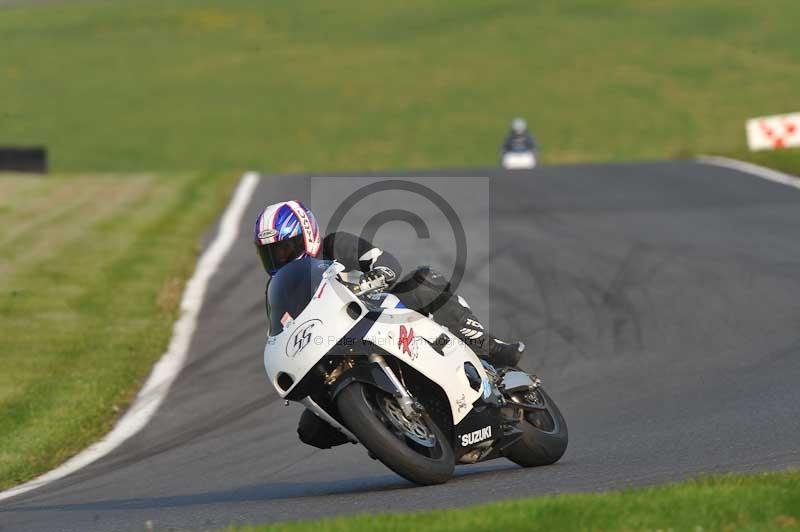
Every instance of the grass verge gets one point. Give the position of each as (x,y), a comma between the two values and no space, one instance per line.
(310,86)
(91,274)
(728,503)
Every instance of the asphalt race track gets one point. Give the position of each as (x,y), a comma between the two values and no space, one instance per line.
(660,304)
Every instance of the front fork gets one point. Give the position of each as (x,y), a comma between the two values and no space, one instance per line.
(405,400)
(409,406)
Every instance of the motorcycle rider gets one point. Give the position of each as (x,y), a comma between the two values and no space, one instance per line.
(518,138)
(288,231)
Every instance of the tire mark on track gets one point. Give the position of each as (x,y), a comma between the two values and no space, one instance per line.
(586,310)
(224,290)
(190,371)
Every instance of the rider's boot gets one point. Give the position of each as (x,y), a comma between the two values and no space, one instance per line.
(504,353)
(498,352)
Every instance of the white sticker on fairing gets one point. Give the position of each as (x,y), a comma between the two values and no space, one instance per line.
(301,337)
(476,435)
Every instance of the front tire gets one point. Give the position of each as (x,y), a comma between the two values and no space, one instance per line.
(545,436)
(362,409)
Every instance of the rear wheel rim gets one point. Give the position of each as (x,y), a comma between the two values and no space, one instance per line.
(541,419)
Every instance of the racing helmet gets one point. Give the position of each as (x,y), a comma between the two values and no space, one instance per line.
(285,232)
(519,126)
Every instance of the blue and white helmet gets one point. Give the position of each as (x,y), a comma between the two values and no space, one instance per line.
(285,232)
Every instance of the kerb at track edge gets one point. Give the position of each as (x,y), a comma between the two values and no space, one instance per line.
(752,169)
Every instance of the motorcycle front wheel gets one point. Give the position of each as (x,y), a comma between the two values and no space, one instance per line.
(416,449)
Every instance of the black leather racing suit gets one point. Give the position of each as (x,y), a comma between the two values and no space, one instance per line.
(518,142)
(425,290)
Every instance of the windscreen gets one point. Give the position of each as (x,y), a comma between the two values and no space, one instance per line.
(291,289)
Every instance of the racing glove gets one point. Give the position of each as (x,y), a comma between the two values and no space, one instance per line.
(378,277)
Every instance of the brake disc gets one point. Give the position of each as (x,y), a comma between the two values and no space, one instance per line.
(414,429)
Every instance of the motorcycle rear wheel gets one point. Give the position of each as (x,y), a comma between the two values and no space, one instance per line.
(545,437)
(421,453)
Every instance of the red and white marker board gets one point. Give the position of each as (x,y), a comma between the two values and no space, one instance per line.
(774,132)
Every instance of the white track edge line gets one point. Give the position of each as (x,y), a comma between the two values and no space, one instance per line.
(167,368)
(752,169)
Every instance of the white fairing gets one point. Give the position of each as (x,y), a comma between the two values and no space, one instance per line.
(400,332)
(519,160)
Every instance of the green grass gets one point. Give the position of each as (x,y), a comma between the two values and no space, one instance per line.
(91,273)
(725,503)
(315,86)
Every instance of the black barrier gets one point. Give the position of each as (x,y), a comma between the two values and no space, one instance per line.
(33,159)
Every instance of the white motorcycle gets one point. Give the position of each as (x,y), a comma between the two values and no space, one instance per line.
(417,397)
(523,159)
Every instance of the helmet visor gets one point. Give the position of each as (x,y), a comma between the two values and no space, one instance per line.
(278,254)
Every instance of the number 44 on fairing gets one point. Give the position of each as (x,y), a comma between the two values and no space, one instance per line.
(418,398)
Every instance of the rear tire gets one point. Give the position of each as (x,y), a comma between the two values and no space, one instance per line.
(357,404)
(544,438)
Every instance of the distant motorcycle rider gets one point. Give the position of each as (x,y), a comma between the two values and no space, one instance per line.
(518,138)
(288,231)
